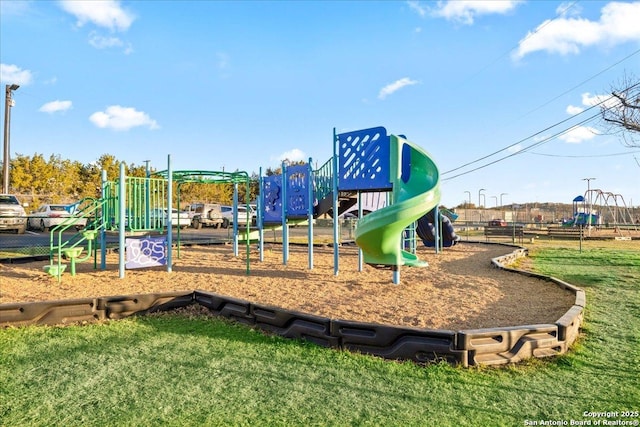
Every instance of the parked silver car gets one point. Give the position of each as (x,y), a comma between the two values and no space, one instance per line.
(205,214)
(12,214)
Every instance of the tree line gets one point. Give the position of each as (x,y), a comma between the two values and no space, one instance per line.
(38,180)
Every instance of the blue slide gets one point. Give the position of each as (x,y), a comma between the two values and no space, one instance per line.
(426,230)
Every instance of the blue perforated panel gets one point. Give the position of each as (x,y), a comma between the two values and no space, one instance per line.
(364,160)
(272,198)
(297,190)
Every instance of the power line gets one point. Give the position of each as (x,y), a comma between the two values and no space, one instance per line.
(586,156)
(537,30)
(534,135)
(524,150)
(524,139)
(581,83)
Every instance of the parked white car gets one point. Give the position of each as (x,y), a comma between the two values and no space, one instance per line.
(49,216)
(12,214)
(227,215)
(159,218)
(182,216)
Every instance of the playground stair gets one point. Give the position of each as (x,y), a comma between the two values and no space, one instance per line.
(72,248)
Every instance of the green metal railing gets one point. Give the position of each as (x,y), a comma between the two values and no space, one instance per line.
(145,204)
(322,180)
(90,209)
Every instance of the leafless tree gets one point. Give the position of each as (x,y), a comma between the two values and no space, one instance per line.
(622,115)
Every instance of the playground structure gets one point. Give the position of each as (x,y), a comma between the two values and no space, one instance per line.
(138,210)
(598,207)
(364,161)
(583,217)
(613,208)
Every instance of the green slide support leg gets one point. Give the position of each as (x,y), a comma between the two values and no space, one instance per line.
(416,191)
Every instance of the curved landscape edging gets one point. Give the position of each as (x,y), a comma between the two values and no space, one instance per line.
(489,346)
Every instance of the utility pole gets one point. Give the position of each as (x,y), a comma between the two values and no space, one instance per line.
(7,125)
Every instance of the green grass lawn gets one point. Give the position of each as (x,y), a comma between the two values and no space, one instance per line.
(181,370)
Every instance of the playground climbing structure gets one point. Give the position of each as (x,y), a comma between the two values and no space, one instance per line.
(364,161)
(599,207)
(137,209)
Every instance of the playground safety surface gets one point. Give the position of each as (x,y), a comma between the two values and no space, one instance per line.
(458,290)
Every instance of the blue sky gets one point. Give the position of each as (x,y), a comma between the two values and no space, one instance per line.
(241,85)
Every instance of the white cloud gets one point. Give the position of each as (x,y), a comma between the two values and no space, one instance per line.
(618,24)
(417,7)
(294,155)
(10,74)
(568,9)
(573,110)
(395,86)
(100,42)
(579,134)
(102,13)
(55,106)
(589,100)
(122,118)
(604,100)
(465,11)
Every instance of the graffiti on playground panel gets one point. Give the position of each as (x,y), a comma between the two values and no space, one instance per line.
(145,252)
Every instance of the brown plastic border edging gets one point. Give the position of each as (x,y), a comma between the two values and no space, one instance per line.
(490,346)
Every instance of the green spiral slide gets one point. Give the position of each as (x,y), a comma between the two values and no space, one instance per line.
(416,191)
